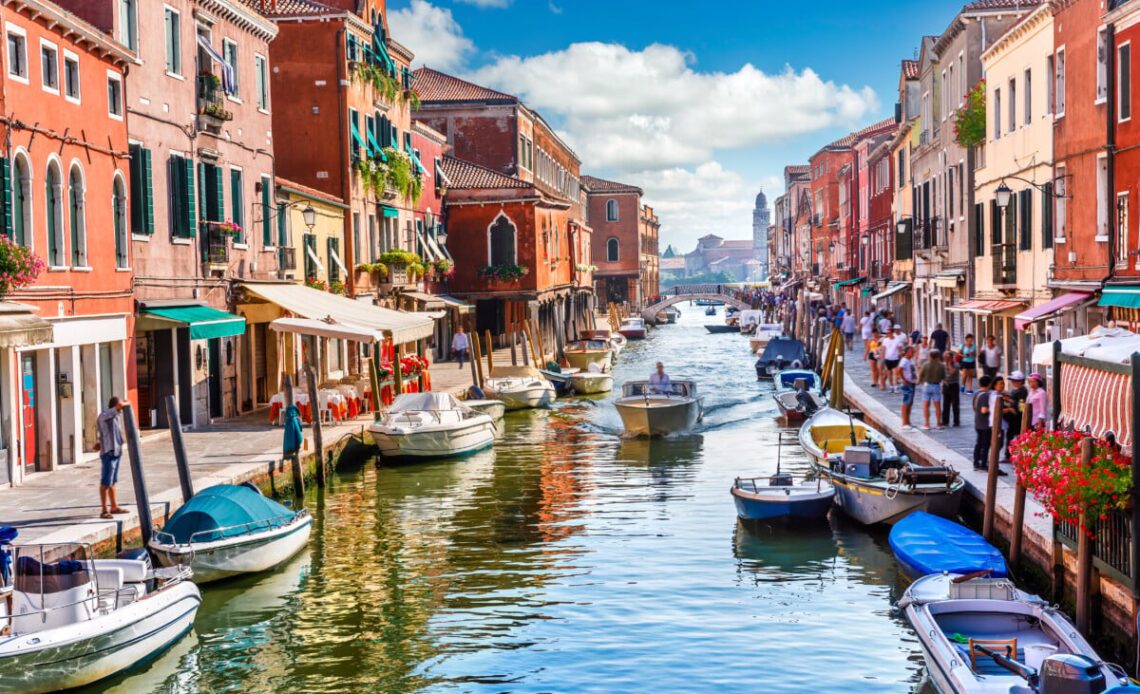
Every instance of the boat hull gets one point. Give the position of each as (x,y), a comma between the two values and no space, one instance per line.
(633,333)
(87,652)
(871,503)
(657,419)
(253,553)
(774,503)
(463,439)
(524,398)
(590,384)
(715,329)
(583,360)
(495,409)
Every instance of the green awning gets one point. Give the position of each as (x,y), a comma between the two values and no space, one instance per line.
(390,211)
(204,322)
(1127,296)
(848,283)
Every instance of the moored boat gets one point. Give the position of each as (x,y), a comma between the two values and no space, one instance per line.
(672,313)
(229,529)
(926,544)
(717,329)
(797,394)
(781,353)
(873,482)
(580,354)
(710,311)
(633,328)
(984,636)
(781,498)
(763,334)
(495,409)
(68,620)
(648,410)
(519,387)
(590,382)
(422,426)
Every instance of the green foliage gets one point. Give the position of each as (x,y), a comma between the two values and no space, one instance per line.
(970,118)
(503,273)
(19,267)
(373,269)
(378,78)
(397,173)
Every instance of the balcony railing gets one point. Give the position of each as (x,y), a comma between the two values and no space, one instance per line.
(1004,260)
(215,244)
(212,111)
(286,258)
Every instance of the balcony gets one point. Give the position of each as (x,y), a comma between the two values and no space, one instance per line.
(286,258)
(215,247)
(212,113)
(1004,260)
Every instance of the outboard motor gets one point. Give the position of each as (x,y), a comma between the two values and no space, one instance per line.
(805,402)
(780,479)
(1070,673)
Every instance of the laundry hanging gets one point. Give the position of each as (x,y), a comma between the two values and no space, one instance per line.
(229,84)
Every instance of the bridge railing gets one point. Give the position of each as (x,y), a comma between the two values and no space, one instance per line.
(698,289)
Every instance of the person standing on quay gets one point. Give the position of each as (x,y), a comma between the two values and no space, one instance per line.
(866,327)
(1038,401)
(969,364)
(110,426)
(459,345)
(892,353)
(940,339)
(983,425)
(870,353)
(1000,401)
(991,357)
(848,327)
(908,376)
(1018,395)
(931,376)
(950,391)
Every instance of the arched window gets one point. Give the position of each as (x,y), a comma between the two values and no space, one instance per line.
(613,250)
(119,213)
(502,242)
(76,194)
(611,210)
(53,205)
(22,201)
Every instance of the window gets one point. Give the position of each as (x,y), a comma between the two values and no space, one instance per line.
(142,192)
(237,202)
(357,142)
(1050,73)
(230,55)
(309,241)
(979,228)
(1122,228)
(183,208)
(901,168)
(950,193)
(115,96)
(71,76)
(334,253)
(53,208)
(119,216)
(1028,89)
(17,55)
(1012,104)
(267,211)
(173,42)
(1124,82)
(501,242)
(613,250)
(997,113)
(21,201)
(261,75)
(1025,220)
(611,210)
(1047,215)
(49,67)
(1102,199)
(1101,65)
(945,96)
(77,217)
(1060,186)
(128,24)
(1059,86)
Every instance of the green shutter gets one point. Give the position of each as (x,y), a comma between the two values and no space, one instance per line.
(237,204)
(174,175)
(190,219)
(282,230)
(218,196)
(266,226)
(334,269)
(137,202)
(148,188)
(7,225)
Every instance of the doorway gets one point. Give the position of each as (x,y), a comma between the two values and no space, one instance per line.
(28,413)
(215,377)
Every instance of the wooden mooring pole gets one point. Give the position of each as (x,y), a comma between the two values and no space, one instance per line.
(295,458)
(1017,531)
(318,438)
(992,478)
(138,479)
(174,420)
(477,357)
(1084,552)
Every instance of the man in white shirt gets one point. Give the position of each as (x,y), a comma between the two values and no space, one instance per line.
(659,380)
(884,325)
(459,345)
(892,353)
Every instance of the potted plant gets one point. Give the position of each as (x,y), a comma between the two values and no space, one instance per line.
(228,228)
(970,118)
(338,287)
(316,283)
(503,273)
(19,266)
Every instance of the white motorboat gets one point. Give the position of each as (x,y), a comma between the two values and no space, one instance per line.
(633,328)
(431,425)
(591,382)
(67,620)
(227,530)
(495,409)
(648,410)
(617,341)
(984,636)
(581,354)
(763,334)
(519,387)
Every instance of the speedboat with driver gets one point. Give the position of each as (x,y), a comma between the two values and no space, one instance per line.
(655,410)
(782,352)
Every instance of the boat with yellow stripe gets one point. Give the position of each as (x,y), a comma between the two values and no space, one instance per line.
(873,482)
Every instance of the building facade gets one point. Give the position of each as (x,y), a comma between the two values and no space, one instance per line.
(649,267)
(613,209)
(761,223)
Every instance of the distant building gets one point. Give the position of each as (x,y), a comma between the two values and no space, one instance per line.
(713,254)
(761,220)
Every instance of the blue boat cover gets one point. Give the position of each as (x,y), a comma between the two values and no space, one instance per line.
(928,544)
(229,510)
(787,378)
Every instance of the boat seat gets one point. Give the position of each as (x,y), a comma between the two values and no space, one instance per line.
(109,578)
(35,611)
(1006,647)
(134,570)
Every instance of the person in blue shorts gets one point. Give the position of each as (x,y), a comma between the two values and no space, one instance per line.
(110,424)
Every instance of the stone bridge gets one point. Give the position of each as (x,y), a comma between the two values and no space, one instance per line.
(693,292)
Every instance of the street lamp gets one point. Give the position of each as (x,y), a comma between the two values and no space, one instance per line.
(1003,195)
(441,237)
(903,225)
(310,216)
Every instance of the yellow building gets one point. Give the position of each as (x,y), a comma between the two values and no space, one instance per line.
(1013,192)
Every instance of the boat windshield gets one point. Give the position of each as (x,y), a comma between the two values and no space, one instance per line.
(682,389)
(424,402)
(583,345)
(47,569)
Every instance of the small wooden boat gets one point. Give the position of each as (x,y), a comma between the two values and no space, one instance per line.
(797,394)
(520,387)
(710,311)
(926,544)
(781,353)
(581,354)
(648,410)
(717,329)
(633,328)
(617,341)
(781,498)
(422,426)
(672,313)
(230,529)
(873,483)
(984,636)
(591,382)
(68,620)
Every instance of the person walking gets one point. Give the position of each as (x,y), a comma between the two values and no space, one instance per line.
(460,345)
(110,428)
(923,349)
(847,325)
(908,376)
(866,327)
(983,425)
(939,338)
(969,364)
(931,376)
(885,322)
(1000,401)
(892,354)
(991,357)
(950,391)
(1038,402)
(870,350)
(1018,394)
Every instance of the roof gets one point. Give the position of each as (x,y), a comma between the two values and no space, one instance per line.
(982,5)
(433,85)
(797,169)
(601,185)
(740,243)
(850,139)
(464,176)
(305,191)
(672,263)
(291,8)
(910,69)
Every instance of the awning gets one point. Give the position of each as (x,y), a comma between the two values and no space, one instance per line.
(848,283)
(229,84)
(20,328)
(429,301)
(789,285)
(1121,296)
(204,322)
(457,304)
(324,328)
(336,259)
(313,257)
(390,211)
(356,137)
(432,254)
(1025,318)
(891,290)
(986,307)
(307,302)
(950,279)
(435,247)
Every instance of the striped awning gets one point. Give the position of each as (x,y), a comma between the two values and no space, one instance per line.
(986,307)
(1100,401)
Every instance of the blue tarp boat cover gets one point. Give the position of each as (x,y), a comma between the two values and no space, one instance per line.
(927,544)
(229,510)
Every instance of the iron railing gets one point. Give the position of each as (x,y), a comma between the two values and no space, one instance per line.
(286,258)
(1112,544)
(1003,258)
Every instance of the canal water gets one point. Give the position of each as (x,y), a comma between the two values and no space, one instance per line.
(566,560)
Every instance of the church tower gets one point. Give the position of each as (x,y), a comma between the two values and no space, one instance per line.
(761,218)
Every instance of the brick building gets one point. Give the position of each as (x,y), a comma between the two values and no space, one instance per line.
(649,269)
(614,214)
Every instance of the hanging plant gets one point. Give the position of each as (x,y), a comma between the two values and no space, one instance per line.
(316,283)
(338,287)
(503,273)
(970,118)
(397,256)
(19,266)
(378,78)
(443,266)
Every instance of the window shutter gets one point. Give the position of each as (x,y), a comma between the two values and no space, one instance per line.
(217,195)
(189,210)
(334,269)
(148,184)
(1025,208)
(7,224)
(1047,216)
(266,227)
(138,201)
(282,230)
(995,223)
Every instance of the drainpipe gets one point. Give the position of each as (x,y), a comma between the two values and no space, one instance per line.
(345,169)
(1110,148)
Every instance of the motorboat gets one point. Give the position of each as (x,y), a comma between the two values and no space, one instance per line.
(580,354)
(591,382)
(559,378)
(649,410)
(873,482)
(420,426)
(617,340)
(519,387)
(797,394)
(672,313)
(717,329)
(763,334)
(68,620)
(781,499)
(230,529)
(618,343)
(926,544)
(495,409)
(781,353)
(787,379)
(749,319)
(710,311)
(709,302)
(633,328)
(982,635)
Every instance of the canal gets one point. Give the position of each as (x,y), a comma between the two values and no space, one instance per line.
(566,560)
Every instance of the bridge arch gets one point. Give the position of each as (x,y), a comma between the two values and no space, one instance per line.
(692,293)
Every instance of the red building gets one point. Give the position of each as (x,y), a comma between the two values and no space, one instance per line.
(65,181)
(877,246)
(1122,291)
(613,211)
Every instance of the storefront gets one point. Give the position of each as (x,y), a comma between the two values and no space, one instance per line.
(995,317)
(19,329)
(1041,324)
(452,313)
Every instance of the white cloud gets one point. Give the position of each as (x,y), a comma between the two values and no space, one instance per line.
(486,3)
(650,109)
(432,34)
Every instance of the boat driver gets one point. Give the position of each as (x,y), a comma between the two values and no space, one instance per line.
(659,382)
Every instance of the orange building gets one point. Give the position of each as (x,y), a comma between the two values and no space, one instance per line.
(613,209)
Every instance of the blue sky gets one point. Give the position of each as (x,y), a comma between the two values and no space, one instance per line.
(700,108)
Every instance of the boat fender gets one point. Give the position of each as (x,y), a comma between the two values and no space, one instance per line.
(797,364)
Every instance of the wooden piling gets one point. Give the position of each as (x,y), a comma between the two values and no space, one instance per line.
(473,359)
(531,342)
(318,438)
(1016,531)
(490,351)
(138,479)
(513,337)
(477,356)
(992,478)
(525,352)
(1084,551)
(184,479)
(295,458)
(540,361)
